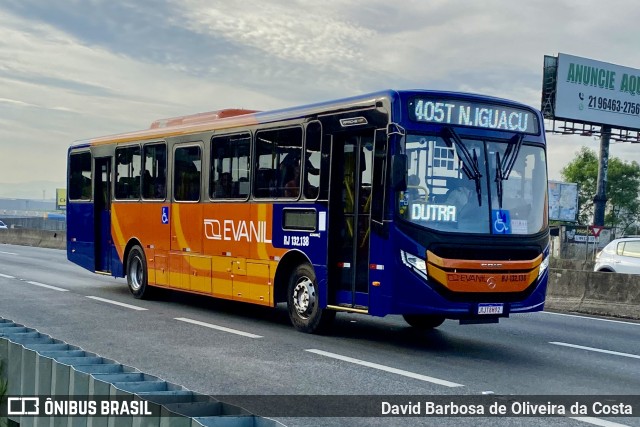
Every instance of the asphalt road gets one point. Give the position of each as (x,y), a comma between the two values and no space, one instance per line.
(225,348)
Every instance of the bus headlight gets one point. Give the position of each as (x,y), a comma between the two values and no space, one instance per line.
(413,261)
(543,266)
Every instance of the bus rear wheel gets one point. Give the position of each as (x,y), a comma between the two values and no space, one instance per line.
(137,274)
(302,300)
(423,321)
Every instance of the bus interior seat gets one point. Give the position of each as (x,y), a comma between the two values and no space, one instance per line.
(188,188)
(128,188)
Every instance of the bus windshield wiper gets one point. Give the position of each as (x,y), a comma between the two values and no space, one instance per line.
(469,163)
(505,164)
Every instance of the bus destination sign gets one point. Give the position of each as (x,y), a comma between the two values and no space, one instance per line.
(474,114)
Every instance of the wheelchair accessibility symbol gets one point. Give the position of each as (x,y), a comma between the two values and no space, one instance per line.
(501,221)
(165,214)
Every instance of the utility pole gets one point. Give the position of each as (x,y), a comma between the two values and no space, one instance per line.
(600,199)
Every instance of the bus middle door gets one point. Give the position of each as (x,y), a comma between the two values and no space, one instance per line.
(350,219)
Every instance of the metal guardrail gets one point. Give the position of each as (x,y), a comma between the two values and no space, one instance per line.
(36,364)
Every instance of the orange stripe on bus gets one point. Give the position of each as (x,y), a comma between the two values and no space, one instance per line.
(494,265)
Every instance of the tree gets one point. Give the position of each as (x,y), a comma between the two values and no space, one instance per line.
(583,170)
(623,185)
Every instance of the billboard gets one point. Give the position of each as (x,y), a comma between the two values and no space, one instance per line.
(597,92)
(563,201)
(61,199)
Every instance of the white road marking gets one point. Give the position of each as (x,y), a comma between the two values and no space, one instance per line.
(42,285)
(386,368)
(6,276)
(598,422)
(8,253)
(597,350)
(592,318)
(121,304)
(219,328)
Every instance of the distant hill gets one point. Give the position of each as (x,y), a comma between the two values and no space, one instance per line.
(35,190)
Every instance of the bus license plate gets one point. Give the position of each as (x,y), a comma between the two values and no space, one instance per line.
(490,308)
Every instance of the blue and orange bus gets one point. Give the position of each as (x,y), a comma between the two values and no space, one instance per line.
(431,205)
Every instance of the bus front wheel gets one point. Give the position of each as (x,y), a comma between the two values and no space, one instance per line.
(302,300)
(137,273)
(423,321)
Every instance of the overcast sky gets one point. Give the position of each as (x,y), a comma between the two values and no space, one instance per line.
(74,69)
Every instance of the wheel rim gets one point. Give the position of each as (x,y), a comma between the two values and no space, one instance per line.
(136,273)
(304,297)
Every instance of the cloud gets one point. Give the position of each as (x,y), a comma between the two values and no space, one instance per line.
(281,31)
(56,90)
(15,102)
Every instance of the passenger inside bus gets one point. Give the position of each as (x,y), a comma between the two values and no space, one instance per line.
(292,187)
(288,168)
(224,186)
(460,194)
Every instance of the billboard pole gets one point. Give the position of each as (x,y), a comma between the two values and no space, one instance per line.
(600,199)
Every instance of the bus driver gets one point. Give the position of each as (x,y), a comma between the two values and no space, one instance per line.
(461,194)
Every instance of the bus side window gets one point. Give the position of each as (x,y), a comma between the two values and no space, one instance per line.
(187,174)
(80,176)
(128,168)
(155,171)
(278,152)
(312,160)
(229,173)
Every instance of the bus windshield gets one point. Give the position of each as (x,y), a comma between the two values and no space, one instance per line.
(473,185)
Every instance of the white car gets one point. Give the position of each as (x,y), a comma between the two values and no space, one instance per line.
(3,226)
(620,256)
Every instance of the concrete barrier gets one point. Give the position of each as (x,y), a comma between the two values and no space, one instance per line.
(571,264)
(30,237)
(607,294)
(39,365)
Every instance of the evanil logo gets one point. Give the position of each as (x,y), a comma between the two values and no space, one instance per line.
(236,231)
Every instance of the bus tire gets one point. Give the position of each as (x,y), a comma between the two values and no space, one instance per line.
(423,321)
(302,301)
(137,274)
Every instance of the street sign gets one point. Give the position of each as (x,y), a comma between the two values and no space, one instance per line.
(595,230)
(61,198)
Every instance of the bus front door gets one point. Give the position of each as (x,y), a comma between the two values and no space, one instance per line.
(102,214)
(350,220)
